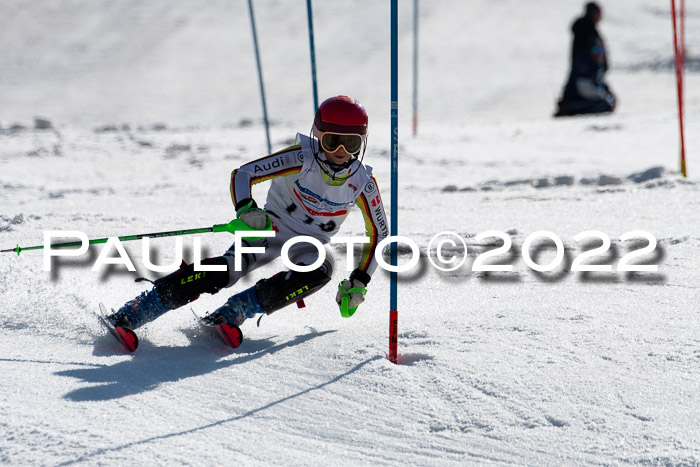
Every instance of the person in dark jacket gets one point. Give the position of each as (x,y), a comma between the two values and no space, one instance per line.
(585,91)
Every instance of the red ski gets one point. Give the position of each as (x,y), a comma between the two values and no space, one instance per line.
(230,333)
(126,337)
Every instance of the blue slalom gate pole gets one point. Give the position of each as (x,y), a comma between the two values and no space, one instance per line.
(260,75)
(393,285)
(415,67)
(313,53)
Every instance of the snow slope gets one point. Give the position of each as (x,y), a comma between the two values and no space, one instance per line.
(152,105)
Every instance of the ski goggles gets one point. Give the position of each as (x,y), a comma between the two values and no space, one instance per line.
(331,142)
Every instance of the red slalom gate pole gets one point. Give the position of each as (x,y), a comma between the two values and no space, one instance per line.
(679,65)
(683,33)
(393,336)
(681,51)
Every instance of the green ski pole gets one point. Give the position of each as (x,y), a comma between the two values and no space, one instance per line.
(234,226)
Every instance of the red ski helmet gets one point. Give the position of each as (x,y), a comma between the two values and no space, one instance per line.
(341,114)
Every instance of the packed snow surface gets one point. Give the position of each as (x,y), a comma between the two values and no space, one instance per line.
(127,117)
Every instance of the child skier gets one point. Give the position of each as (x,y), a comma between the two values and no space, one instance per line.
(314,185)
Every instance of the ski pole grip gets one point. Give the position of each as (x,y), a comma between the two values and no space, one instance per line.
(345,310)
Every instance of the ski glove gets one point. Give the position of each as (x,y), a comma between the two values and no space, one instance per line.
(253,216)
(351,293)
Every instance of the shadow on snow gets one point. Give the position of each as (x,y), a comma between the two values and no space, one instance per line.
(137,375)
(296,341)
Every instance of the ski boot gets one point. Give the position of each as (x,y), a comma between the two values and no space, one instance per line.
(232,314)
(142,309)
